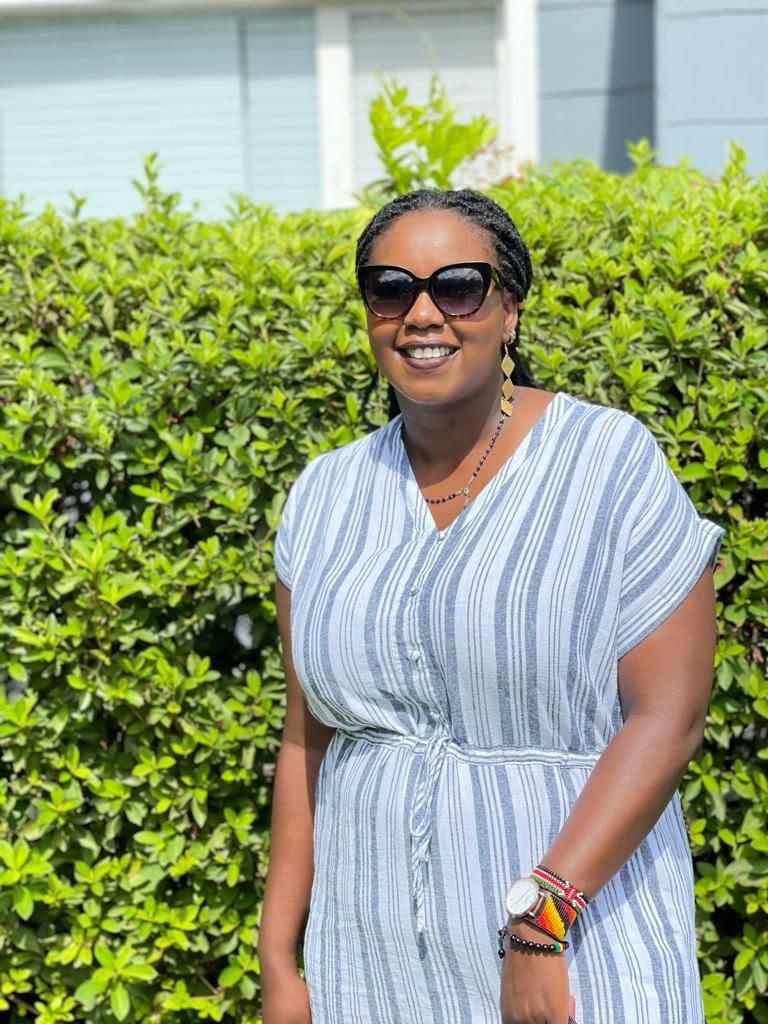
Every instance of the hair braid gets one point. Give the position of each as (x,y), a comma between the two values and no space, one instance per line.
(511,251)
(512,256)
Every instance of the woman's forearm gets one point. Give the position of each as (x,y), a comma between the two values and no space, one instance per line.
(627,790)
(289,879)
(664,684)
(291,859)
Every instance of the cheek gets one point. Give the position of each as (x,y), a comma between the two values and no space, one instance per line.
(381,333)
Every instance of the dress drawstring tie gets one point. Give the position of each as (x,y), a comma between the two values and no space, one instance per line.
(420,822)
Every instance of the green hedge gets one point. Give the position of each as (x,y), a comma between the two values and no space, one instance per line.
(163,381)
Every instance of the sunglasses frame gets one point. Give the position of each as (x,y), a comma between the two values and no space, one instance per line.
(426,284)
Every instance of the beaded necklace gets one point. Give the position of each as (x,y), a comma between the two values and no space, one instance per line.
(465,490)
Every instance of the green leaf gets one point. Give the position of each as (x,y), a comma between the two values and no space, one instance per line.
(17,671)
(120,1001)
(140,972)
(88,992)
(104,955)
(230,975)
(23,902)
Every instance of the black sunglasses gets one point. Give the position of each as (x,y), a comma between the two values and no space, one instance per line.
(458,289)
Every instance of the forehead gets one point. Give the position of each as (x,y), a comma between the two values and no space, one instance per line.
(423,240)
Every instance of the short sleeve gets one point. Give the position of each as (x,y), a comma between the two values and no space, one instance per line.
(283,546)
(668,547)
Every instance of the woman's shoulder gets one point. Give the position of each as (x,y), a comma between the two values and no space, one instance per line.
(336,463)
(606,419)
(605,437)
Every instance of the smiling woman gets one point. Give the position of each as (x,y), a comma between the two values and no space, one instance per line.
(497,616)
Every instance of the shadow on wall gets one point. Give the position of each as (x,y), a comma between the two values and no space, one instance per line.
(629,107)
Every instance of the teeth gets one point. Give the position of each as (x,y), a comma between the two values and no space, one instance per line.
(429,351)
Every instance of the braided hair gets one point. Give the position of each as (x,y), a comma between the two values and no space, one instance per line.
(512,256)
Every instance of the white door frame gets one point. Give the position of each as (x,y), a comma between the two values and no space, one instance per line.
(517,62)
(333,68)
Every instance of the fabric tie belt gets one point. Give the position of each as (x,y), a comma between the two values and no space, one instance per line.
(420,823)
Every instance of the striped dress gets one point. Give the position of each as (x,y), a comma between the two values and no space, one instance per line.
(471,676)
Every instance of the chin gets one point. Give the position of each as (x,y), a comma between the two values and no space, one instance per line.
(429,398)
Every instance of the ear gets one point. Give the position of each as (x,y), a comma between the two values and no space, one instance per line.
(511,313)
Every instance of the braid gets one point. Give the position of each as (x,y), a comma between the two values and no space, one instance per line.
(511,251)
(512,256)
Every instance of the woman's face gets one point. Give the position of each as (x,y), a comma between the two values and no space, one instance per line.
(422,242)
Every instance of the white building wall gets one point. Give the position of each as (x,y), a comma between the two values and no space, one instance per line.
(81,102)
(264,98)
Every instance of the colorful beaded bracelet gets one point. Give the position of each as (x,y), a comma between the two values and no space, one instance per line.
(560,887)
(538,947)
(554,916)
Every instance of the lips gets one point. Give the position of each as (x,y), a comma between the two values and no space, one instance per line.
(426,356)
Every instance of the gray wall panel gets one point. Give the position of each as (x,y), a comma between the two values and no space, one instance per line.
(712,85)
(684,8)
(228,103)
(707,145)
(560,5)
(596,79)
(599,48)
(283,164)
(596,127)
(689,51)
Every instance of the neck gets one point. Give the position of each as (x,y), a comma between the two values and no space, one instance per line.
(444,436)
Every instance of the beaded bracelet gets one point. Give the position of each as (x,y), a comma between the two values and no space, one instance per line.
(538,947)
(568,901)
(560,887)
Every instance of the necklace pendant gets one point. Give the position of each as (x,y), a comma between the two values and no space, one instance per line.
(465,490)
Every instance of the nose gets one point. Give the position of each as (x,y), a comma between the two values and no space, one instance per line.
(423,312)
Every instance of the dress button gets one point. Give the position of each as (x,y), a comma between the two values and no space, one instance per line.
(414,589)
(413,655)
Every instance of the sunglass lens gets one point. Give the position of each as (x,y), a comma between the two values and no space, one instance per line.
(459,291)
(388,292)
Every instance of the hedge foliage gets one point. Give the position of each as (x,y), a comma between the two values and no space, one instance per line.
(163,381)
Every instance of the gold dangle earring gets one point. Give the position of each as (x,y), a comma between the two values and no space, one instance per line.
(507,388)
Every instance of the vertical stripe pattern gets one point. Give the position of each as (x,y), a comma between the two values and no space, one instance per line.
(471,676)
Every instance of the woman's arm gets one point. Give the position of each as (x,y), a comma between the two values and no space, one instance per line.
(664,686)
(289,879)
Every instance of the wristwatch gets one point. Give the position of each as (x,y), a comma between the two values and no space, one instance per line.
(527,900)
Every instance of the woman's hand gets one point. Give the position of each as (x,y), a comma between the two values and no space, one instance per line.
(534,986)
(285,999)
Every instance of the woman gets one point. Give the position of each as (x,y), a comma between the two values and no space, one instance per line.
(497,616)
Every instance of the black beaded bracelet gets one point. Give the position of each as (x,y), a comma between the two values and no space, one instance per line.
(537,947)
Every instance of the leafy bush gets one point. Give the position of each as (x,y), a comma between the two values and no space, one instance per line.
(163,381)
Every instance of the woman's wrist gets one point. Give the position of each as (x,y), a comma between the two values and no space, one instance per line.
(277,961)
(525,929)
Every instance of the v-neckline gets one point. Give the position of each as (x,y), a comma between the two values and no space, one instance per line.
(419,507)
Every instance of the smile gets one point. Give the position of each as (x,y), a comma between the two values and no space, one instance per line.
(427,356)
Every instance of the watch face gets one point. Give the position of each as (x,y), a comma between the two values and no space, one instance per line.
(521,896)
